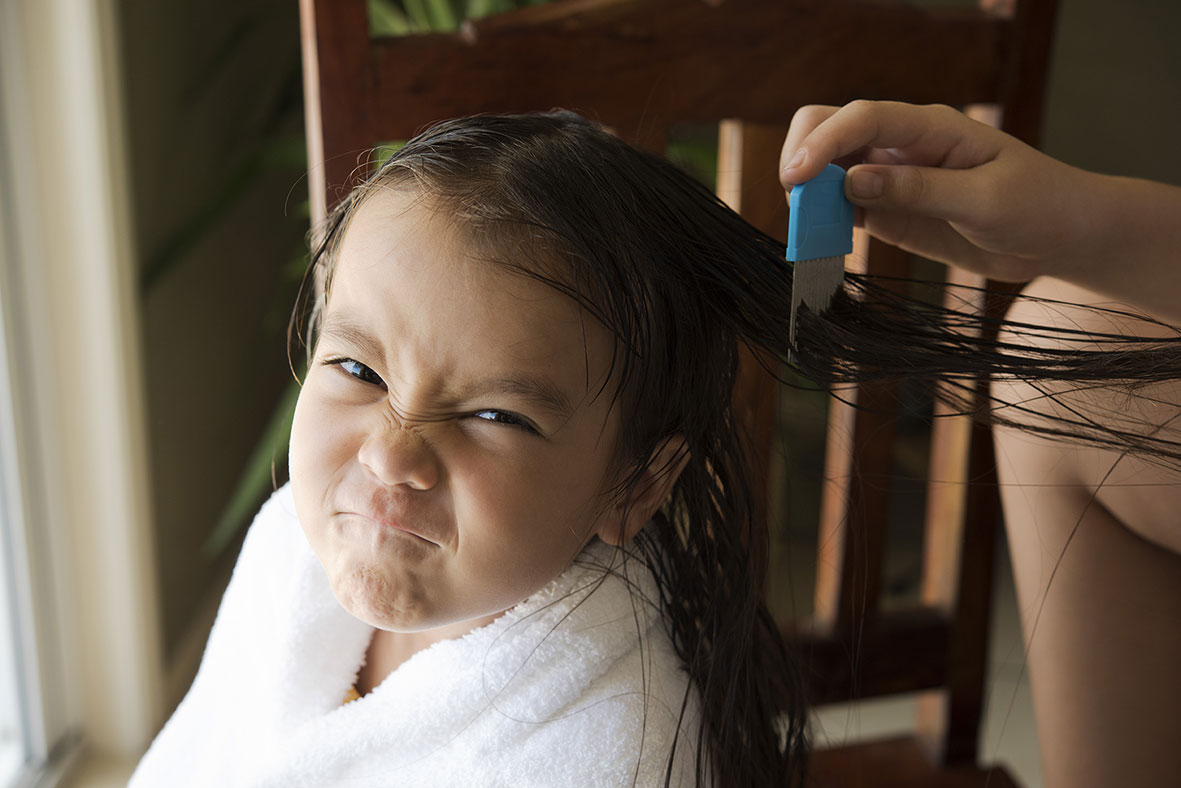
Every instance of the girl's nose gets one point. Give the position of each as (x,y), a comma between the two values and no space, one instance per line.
(396,455)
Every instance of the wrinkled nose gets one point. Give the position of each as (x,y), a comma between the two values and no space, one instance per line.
(399,455)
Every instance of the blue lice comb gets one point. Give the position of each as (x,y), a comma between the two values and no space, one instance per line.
(819,235)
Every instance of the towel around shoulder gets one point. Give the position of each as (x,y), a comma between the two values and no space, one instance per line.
(578,685)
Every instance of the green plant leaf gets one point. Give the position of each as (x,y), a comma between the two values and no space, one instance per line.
(478,8)
(481,8)
(386,19)
(418,14)
(443,17)
(283,153)
(383,150)
(696,155)
(257,478)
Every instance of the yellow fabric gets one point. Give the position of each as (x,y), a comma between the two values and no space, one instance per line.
(350,696)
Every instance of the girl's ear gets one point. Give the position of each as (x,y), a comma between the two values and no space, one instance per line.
(629,514)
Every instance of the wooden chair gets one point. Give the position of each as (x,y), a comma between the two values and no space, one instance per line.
(641,66)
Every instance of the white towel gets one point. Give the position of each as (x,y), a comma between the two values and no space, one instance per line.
(576,686)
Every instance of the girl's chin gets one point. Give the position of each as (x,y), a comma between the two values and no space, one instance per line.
(378,600)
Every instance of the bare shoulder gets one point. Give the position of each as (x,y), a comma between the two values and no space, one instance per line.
(1053,475)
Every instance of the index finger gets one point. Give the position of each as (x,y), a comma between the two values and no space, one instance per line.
(919,135)
(803,123)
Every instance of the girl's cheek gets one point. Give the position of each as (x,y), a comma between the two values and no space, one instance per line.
(299,450)
(318,432)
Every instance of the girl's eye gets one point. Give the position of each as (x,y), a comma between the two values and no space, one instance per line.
(358,371)
(506,418)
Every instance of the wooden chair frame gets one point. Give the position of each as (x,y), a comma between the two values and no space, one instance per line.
(640,66)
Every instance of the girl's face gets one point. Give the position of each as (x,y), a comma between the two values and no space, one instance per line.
(447,459)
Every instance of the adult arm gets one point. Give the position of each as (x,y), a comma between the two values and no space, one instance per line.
(1096,554)
(1093,533)
(937,183)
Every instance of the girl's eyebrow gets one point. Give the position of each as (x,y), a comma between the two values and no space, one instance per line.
(534,389)
(539,391)
(347,331)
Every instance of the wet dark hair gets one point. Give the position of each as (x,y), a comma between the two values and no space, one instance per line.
(682,283)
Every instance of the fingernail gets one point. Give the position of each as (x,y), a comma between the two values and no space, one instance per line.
(866,185)
(796,160)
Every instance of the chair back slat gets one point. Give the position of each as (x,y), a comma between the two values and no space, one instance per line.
(855,508)
(335,36)
(644,64)
(678,60)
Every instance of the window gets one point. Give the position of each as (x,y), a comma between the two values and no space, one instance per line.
(12,746)
(14,723)
(14,727)
(37,734)
(73,502)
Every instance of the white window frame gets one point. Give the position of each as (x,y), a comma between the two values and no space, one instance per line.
(72,432)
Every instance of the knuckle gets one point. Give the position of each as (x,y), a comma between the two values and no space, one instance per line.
(944,114)
(942,109)
(860,107)
(811,115)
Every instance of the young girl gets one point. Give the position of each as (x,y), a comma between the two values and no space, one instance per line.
(519,523)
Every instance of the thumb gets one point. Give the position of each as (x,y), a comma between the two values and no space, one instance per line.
(938,193)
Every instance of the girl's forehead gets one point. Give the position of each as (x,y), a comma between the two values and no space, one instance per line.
(399,245)
(408,275)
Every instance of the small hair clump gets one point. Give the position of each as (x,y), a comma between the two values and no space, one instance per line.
(683,283)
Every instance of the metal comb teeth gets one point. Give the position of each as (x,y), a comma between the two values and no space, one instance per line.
(819,235)
(814,283)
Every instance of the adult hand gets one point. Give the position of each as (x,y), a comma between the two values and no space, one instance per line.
(935,182)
